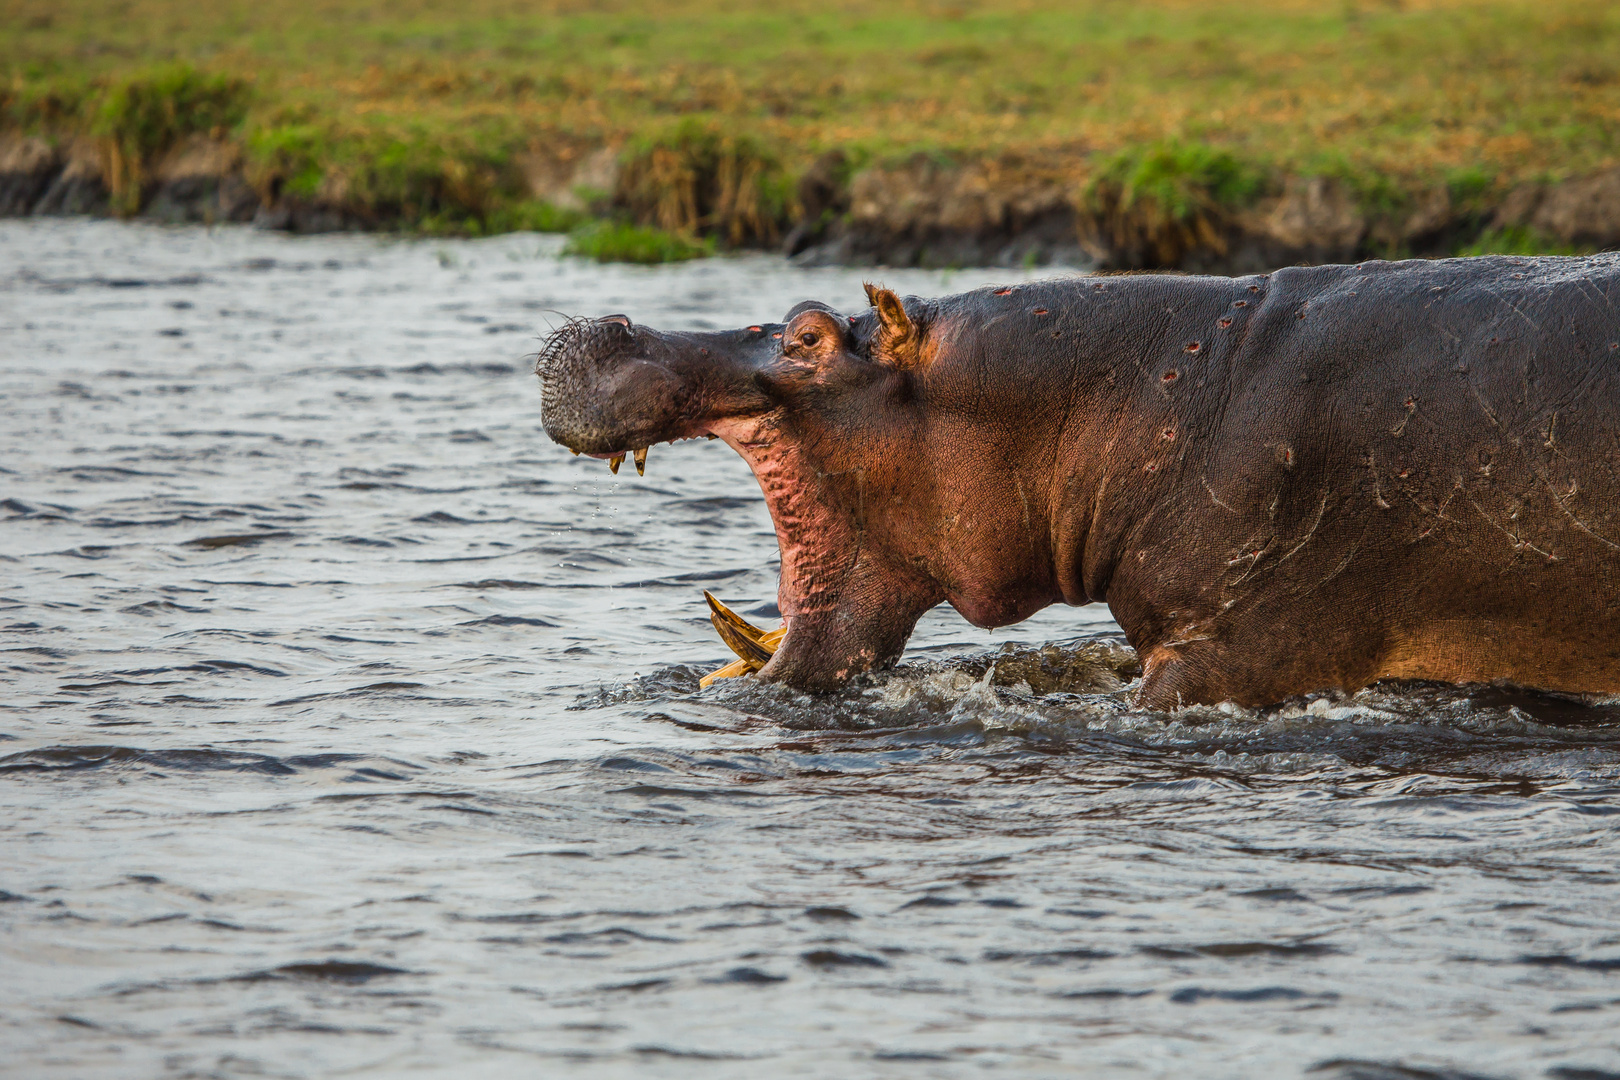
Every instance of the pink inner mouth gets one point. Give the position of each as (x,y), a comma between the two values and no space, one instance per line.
(817,544)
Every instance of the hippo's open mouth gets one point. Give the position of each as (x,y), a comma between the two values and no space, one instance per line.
(1235,466)
(610,389)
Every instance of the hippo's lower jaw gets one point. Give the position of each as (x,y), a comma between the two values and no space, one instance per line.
(846,609)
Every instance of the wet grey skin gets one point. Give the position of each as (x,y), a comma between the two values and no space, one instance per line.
(1308,480)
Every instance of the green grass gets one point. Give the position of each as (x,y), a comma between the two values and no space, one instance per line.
(140,115)
(1167,198)
(1519,241)
(619,241)
(421,110)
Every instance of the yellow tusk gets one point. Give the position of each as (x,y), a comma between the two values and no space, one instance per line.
(753,646)
(719,612)
(641,461)
(736,667)
(740,635)
(614,462)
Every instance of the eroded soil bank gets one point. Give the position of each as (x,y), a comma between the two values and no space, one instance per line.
(925,210)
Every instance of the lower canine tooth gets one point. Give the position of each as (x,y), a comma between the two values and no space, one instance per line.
(754,647)
(641,461)
(614,462)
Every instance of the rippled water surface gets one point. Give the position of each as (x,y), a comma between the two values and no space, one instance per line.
(350,727)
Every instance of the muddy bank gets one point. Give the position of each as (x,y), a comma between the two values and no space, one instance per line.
(200,180)
(928,211)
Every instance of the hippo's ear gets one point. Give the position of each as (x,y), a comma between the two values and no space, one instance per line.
(898,341)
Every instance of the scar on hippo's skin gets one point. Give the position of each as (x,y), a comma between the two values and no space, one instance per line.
(1001,292)
(1192,346)
(1411,410)
(1039,311)
(1240,303)
(1224,323)
(1285,456)
(1171,376)
(1168,434)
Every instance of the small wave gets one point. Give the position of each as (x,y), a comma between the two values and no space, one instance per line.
(1192,995)
(496,583)
(65,759)
(210,543)
(74,758)
(349,972)
(509,620)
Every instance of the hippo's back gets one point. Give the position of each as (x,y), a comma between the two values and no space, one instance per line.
(1491,384)
(1412,466)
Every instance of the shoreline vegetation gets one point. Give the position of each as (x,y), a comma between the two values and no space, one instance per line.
(1204,135)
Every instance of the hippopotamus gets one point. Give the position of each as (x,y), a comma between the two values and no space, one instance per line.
(1307,480)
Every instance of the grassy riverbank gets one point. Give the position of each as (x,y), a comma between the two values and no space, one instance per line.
(440,116)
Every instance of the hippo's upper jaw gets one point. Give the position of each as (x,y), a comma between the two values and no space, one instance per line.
(811,405)
(608,387)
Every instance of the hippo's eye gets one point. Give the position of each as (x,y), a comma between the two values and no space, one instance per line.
(809,338)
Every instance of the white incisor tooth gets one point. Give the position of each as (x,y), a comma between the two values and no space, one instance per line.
(641,461)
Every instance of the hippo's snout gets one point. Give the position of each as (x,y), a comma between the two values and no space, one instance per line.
(600,392)
(609,387)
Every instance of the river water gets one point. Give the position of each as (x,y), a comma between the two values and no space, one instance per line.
(350,727)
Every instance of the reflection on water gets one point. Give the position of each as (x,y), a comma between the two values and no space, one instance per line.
(352,727)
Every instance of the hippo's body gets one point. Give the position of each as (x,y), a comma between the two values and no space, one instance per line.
(1313,479)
